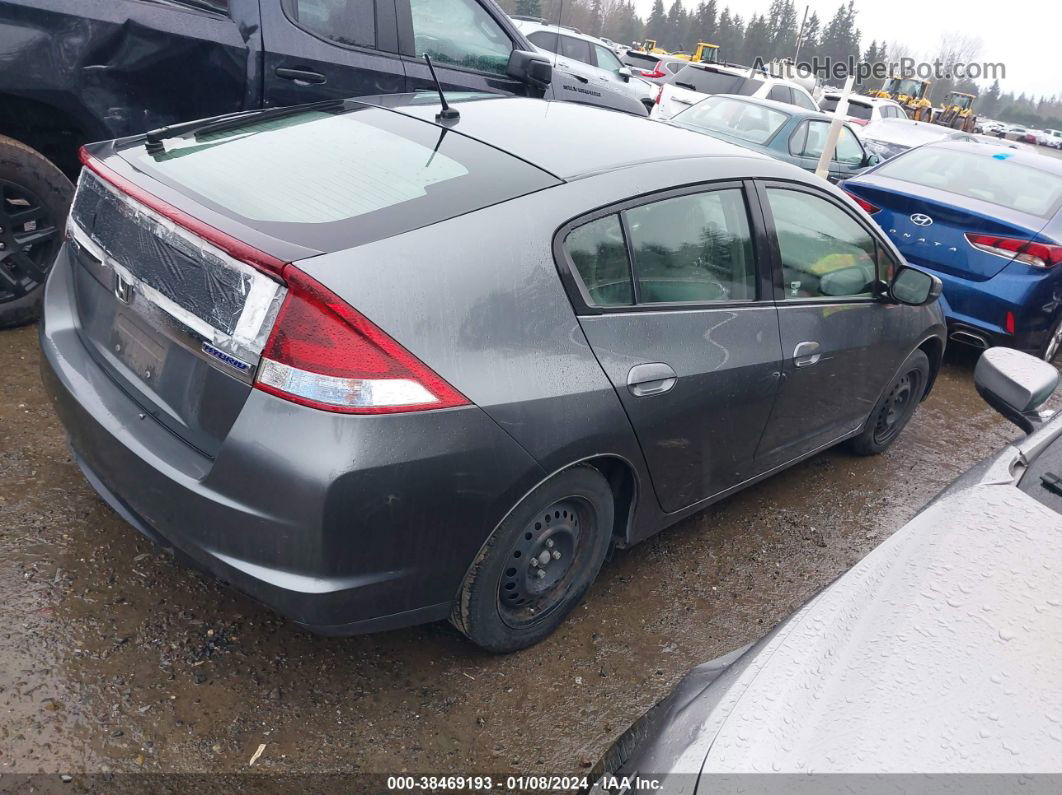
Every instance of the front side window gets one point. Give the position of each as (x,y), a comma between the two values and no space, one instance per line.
(810,139)
(825,252)
(351,22)
(694,248)
(599,254)
(459,33)
(849,151)
(606,59)
(802,100)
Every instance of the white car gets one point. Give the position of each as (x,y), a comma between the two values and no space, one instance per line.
(585,56)
(862,110)
(694,82)
(1052,138)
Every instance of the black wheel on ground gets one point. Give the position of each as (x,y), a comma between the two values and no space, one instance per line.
(34,200)
(538,564)
(895,407)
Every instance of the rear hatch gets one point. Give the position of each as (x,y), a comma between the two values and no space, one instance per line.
(180,252)
(934,201)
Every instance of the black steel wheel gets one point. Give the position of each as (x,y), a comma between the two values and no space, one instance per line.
(538,564)
(34,200)
(895,407)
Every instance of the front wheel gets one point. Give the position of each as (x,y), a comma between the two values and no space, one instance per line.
(34,200)
(895,407)
(538,564)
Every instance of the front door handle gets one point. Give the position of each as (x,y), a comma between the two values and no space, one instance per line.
(650,379)
(303,77)
(806,354)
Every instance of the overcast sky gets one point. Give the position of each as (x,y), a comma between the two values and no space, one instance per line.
(1024,36)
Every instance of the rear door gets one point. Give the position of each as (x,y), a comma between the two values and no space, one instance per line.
(669,291)
(329,49)
(840,343)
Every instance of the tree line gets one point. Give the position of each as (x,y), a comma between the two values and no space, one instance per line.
(773,35)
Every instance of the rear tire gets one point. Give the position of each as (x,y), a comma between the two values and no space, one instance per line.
(538,564)
(895,407)
(34,200)
(1053,343)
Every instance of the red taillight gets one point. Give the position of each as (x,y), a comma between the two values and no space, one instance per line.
(1008,322)
(658,71)
(868,208)
(659,95)
(230,245)
(860,122)
(1039,255)
(323,353)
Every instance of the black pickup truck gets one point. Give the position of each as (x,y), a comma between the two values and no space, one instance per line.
(74,72)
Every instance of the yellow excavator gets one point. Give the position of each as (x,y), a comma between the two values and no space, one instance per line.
(911,92)
(957,112)
(649,47)
(705,53)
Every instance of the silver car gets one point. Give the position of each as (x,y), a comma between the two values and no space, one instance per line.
(937,654)
(584,55)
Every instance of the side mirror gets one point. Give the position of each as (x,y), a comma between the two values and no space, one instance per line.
(914,287)
(625,72)
(531,68)
(1015,384)
(871,159)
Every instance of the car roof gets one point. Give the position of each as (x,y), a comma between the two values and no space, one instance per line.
(527,27)
(569,139)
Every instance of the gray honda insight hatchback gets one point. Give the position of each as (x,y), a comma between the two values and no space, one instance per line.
(375,365)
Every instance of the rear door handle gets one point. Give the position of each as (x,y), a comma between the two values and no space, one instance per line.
(301,76)
(806,354)
(650,379)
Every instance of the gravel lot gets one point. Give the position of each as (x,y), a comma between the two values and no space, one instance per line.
(114,657)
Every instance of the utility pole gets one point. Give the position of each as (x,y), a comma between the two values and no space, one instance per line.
(800,36)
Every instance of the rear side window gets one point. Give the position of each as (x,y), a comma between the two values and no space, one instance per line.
(545,39)
(599,254)
(695,248)
(351,22)
(825,252)
(982,173)
(781,93)
(459,33)
(708,82)
(577,49)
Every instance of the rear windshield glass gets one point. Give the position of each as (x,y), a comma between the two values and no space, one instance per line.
(736,118)
(856,110)
(640,60)
(985,174)
(334,178)
(707,82)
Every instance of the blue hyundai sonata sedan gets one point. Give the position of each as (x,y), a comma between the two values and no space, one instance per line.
(987,221)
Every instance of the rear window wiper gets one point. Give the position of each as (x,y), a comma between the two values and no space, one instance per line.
(153,139)
(686,85)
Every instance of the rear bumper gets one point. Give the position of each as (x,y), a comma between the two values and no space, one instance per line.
(345,524)
(979,308)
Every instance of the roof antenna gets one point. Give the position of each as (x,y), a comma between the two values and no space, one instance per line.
(447,113)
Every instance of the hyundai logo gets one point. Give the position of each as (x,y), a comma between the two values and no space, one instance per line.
(920,219)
